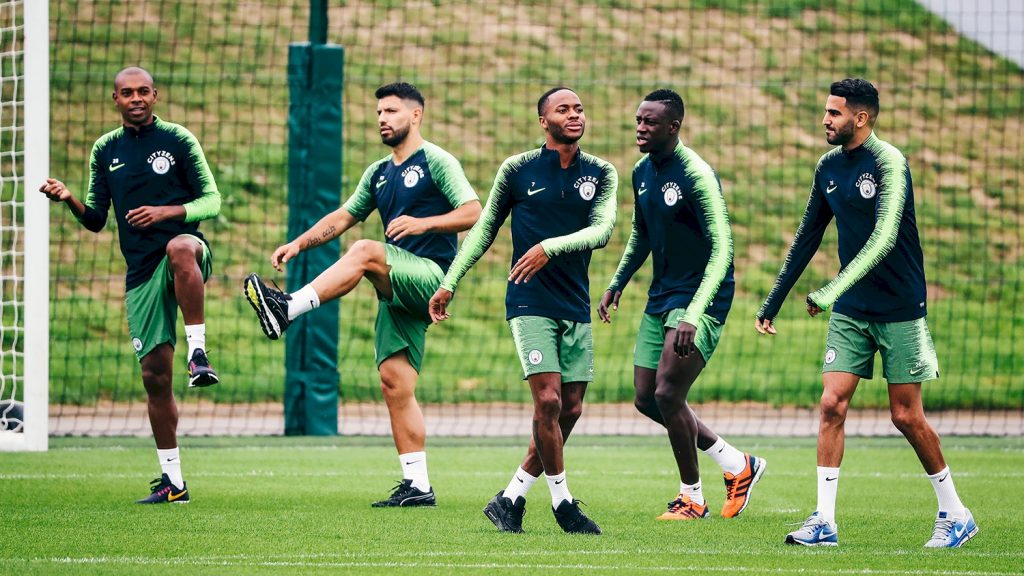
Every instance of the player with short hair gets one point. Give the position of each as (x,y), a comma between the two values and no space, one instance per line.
(878,303)
(548,298)
(424,200)
(156,176)
(680,218)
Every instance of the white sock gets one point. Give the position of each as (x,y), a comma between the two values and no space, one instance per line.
(694,491)
(828,487)
(559,489)
(414,467)
(519,485)
(195,334)
(730,459)
(303,300)
(949,501)
(170,464)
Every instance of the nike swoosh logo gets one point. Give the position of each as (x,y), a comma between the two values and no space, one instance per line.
(831,189)
(943,479)
(520,480)
(114,168)
(641,191)
(381,183)
(559,481)
(532,192)
(413,462)
(827,479)
(916,370)
(171,496)
(720,450)
(959,530)
(170,460)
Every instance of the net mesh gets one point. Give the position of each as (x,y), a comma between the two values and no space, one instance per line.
(12,202)
(754,75)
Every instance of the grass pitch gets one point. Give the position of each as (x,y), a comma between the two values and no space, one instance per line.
(301,506)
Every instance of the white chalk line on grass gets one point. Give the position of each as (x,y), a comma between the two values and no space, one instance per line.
(240,561)
(363,472)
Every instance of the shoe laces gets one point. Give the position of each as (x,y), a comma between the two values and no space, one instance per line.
(279,293)
(943,529)
(157,484)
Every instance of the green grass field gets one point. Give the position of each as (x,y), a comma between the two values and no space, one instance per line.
(301,506)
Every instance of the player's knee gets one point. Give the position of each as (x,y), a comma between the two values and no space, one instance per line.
(365,251)
(668,396)
(905,419)
(833,408)
(645,404)
(181,252)
(571,411)
(157,384)
(548,405)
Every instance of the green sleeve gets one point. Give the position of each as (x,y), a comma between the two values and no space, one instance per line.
(362,202)
(482,234)
(448,176)
(638,248)
(602,219)
(711,207)
(892,195)
(200,178)
(97,199)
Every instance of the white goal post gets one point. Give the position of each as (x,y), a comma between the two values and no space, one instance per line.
(25,124)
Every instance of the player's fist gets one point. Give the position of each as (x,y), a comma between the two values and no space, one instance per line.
(438,306)
(609,301)
(55,190)
(283,254)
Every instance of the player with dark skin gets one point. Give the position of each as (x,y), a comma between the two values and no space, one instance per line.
(664,391)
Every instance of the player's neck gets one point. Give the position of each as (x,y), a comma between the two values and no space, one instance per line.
(407,147)
(566,152)
(858,139)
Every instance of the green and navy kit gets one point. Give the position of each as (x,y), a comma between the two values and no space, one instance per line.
(569,212)
(429,183)
(160,164)
(870,192)
(681,220)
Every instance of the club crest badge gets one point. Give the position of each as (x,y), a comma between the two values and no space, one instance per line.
(866,185)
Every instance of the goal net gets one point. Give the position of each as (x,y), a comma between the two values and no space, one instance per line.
(24,228)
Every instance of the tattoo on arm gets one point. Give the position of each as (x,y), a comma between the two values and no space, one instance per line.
(324,236)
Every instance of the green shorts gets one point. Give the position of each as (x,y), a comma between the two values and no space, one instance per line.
(908,354)
(550,345)
(650,340)
(402,321)
(152,308)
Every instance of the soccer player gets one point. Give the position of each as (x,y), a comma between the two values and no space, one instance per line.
(879,301)
(155,174)
(681,219)
(424,200)
(548,299)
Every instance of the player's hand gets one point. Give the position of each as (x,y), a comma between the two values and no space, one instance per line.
(55,190)
(405,226)
(812,308)
(609,302)
(146,216)
(283,254)
(528,265)
(438,306)
(686,335)
(764,326)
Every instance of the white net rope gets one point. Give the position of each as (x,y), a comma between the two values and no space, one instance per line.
(12,204)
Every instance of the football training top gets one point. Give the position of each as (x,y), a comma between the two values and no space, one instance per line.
(569,212)
(681,220)
(870,193)
(160,164)
(429,183)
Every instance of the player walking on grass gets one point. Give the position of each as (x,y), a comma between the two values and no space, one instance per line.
(562,203)
(155,174)
(424,199)
(681,219)
(879,300)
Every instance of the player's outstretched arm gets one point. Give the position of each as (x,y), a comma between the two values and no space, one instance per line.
(439,305)
(56,191)
(328,228)
(609,302)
